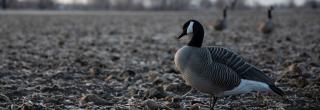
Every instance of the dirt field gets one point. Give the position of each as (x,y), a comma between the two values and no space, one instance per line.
(124,60)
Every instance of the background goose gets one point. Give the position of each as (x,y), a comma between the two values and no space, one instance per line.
(221,24)
(215,70)
(267,26)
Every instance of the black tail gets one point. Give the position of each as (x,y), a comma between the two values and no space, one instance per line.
(276,90)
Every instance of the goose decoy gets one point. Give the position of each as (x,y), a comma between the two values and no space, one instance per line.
(267,26)
(221,24)
(215,70)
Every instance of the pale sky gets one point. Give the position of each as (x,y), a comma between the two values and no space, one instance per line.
(272,2)
(72,1)
(250,2)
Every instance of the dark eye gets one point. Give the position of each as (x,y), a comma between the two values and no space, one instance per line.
(185,26)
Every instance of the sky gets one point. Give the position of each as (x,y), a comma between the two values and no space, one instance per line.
(250,2)
(71,1)
(272,2)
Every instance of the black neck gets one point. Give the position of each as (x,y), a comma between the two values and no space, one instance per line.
(197,38)
(225,13)
(269,14)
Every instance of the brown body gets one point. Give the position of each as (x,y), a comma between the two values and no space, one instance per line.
(266,27)
(220,25)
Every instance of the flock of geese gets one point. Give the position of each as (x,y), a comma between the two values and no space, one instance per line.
(218,71)
(265,27)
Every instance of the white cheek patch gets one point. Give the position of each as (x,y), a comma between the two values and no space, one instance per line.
(190,28)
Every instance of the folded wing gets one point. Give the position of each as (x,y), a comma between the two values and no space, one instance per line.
(241,67)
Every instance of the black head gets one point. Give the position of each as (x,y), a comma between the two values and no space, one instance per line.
(196,29)
(190,27)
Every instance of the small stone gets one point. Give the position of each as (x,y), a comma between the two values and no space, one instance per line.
(126,75)
(93,72)
(115,58)
(152,76)
(288,39)
(171,70)
(109,78)
(314,64)
(157,81)
(174,105)
(132,92)
(304,54)
(302,82)
(296,68)
(93,98)
(31,106)
(306,75)
(176,99)
(4,98)
(51,89)
(195,106)
(156,92)
(67,102)
(270,49)
(195,102)
(178,88)
(279,41)
(152,105)
(114,32)
(2,108)
(81,61)
(131,73)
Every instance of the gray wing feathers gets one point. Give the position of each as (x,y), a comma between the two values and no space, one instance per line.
(255,74)
(223,76)
(219,74)
(238,64)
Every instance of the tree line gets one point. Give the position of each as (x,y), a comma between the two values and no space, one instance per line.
(136,5)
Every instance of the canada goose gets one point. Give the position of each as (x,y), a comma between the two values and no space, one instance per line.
(267,26)
(221,24)
(216,70)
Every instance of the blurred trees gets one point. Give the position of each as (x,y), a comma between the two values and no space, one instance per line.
(4,4)
(100,4)
(221,3)
(179,4)
(139,4)
(314,4)
(291,4)
(122,4)
(46,4)
(206,4)
(233,4)
(146,4)
(27,4)
(170,4)
(7,3)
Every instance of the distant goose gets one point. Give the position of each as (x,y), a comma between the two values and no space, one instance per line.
(221,24)
(267,26)
(215,70)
